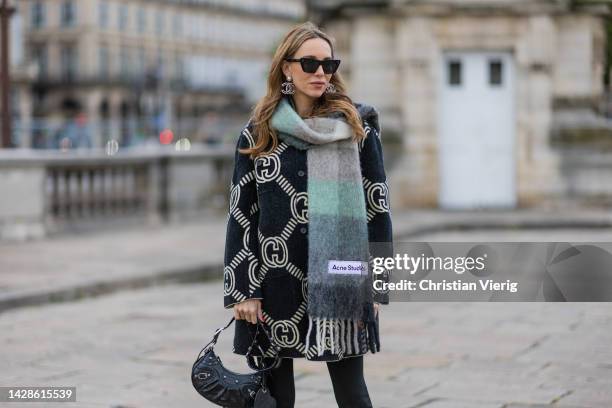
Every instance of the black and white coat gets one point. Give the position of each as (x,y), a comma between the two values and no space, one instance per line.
(266,248)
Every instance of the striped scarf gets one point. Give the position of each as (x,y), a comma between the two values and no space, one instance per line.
(339,280)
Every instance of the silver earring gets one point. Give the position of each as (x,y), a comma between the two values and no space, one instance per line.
(330,88)
(288,87)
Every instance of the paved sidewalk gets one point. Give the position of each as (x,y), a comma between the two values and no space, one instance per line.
(134,349)
(71,267)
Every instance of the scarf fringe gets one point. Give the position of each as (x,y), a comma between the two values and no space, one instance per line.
(341,336)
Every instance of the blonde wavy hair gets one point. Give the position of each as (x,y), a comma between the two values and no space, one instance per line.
(338,101)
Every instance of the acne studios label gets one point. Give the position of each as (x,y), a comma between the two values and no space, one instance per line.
(347,267)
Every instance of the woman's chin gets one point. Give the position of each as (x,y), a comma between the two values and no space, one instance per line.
(315,94)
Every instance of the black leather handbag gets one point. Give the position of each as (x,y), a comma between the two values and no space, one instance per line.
(234,390)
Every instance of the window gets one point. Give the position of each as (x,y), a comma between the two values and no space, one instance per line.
(37,14)
(68,13)
(177,25)
(454,72)
(142,20)
(159,23)
(124,60)
(495,72)
(141,61)
(69,62)
(40,56)
(160,66)
(231,77)
(103,63)
(123,17)
(103,14)
(178,66)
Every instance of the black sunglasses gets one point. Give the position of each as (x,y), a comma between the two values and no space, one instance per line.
(310,65)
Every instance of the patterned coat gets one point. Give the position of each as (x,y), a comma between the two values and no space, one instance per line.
(266,249)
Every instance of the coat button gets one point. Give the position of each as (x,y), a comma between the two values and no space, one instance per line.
(301,173)
(303,230)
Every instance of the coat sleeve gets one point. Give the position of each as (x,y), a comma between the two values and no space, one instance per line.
(378,208)
(241,258)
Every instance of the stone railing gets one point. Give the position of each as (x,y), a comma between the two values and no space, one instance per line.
(582,141)
(44,192)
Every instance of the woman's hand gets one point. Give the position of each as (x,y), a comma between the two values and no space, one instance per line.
(376,307)
(249,310)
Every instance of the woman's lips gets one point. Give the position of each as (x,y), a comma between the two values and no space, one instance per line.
(317,84)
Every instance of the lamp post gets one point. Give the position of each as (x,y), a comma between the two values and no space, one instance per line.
(5,81)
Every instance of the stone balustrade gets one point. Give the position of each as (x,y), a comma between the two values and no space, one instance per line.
(45,192)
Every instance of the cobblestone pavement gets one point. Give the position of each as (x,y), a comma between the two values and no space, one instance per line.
(73,266)
(135,349)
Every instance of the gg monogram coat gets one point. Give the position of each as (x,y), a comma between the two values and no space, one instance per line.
(266,249)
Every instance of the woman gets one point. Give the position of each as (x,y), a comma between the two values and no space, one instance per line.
(308,192)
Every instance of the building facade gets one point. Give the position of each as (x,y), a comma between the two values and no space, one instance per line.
(124,70)
(20,72)
(476,90)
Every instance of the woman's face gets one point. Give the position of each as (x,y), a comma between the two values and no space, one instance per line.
(304,82)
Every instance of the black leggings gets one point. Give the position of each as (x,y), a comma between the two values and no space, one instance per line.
(347,379)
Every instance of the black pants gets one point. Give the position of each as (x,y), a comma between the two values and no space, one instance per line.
(347,379)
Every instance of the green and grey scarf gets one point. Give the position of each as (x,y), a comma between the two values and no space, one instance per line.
(339,280)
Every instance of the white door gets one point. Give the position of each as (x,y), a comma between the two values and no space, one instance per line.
(476,122)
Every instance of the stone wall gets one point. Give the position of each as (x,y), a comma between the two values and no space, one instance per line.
(394,65)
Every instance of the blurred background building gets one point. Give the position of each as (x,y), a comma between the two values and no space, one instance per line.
(499,103)
(98,86)
(485,104)
(127,69)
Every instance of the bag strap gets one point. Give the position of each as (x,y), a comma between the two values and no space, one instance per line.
(259,366)
(250,360)
(211,344)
